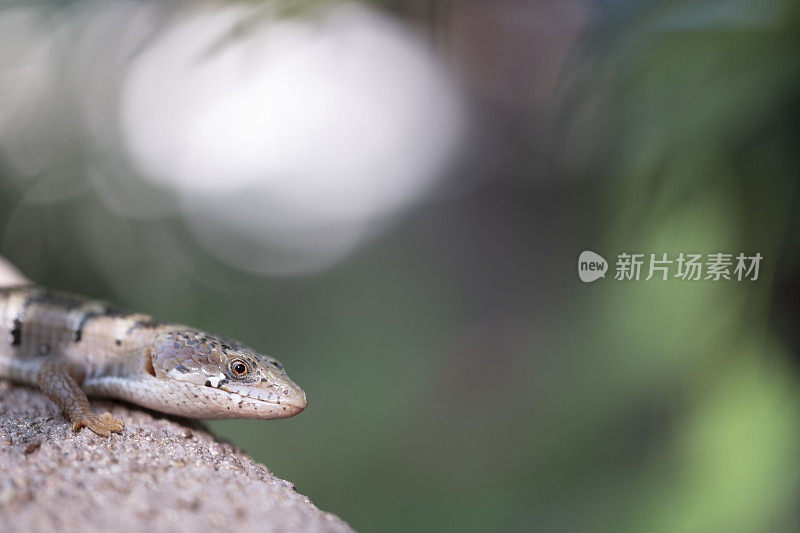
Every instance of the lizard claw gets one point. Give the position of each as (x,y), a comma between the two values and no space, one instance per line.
(103,424)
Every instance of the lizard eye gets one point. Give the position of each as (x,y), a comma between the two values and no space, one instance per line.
(238,368)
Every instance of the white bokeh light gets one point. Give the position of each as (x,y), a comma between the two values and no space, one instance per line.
(288,140)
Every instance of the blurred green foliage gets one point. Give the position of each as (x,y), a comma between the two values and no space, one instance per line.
(697,134)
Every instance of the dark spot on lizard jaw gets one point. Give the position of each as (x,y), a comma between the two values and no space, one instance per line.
(118,342)
(182,369)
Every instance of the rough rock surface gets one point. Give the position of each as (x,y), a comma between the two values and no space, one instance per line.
(161,475)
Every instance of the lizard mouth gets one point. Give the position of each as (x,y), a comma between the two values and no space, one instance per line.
(291,397)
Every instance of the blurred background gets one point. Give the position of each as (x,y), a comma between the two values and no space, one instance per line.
(391,198)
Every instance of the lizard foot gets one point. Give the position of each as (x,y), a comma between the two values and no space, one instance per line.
(103,424)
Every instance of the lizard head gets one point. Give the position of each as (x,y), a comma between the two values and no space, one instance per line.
(225,378)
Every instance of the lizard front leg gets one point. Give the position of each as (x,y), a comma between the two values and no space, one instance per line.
(60,382)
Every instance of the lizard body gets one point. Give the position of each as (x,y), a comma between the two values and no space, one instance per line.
(71,346)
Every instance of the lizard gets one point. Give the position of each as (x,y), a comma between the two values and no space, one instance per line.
(71,346)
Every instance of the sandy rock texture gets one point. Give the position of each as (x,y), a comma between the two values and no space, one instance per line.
(161,475)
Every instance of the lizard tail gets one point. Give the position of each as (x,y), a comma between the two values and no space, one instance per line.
(10,276)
